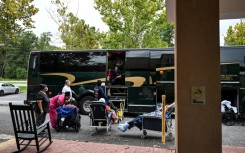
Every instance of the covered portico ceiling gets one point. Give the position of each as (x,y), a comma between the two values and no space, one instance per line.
(229,9)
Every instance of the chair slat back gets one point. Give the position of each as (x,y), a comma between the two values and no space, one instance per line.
(23,118)
(98,110)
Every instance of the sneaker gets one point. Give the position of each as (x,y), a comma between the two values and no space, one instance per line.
(123,127)
(167,116)
(169,137)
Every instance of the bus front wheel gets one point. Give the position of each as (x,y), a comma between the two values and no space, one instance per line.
(84,104)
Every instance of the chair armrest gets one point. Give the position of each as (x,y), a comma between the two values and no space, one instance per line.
(42,126)
(44,123)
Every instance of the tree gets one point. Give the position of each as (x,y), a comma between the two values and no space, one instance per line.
(75,33)
(235,36)
(44,42)
(18,54)
(15,16)
(16,67)
(135,24)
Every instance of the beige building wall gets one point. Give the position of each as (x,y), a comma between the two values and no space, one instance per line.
(197,77)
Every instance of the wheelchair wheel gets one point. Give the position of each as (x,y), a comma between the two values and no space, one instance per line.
(229,119)
(144,134)
(57,127)
(243,120)
(77,125)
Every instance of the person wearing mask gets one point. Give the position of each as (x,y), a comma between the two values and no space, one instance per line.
(42,105)
(67,88)
(55,102)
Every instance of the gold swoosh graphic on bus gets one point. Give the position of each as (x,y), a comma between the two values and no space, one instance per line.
(173,67)
(165,68)
(137,80)
(229,63)
(67,75)
(86,82)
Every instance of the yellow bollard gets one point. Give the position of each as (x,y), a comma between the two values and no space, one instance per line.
(163,118)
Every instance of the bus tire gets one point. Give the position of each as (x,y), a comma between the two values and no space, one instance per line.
(84,105)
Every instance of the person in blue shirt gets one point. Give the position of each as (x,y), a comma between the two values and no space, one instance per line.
(99,91)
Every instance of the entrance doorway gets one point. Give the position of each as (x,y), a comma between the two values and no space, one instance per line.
(230,95)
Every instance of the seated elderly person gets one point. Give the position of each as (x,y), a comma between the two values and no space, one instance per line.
(138,120)
(111,112)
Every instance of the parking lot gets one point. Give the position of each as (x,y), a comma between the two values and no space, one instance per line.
(231,135)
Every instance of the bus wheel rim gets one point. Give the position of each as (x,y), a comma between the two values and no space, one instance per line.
(86,105)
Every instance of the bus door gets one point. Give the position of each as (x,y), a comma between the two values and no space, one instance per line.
(115,58)
(230,82)
(165,83)
(33,75)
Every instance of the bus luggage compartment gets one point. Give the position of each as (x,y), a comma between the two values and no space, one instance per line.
(141,99)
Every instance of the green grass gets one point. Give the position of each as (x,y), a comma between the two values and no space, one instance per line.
(23,89)
(12,80)
(7,79)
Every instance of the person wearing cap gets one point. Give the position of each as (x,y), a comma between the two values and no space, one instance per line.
(42,106)
(67,88)
(55,102)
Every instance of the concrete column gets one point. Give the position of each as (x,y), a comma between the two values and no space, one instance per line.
(197,77)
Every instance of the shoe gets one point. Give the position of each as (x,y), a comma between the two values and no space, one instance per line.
(169,137)
(167,116)
(123,127)
(120,127)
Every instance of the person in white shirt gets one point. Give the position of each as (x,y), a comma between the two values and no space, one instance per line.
(225,104)
(67,88)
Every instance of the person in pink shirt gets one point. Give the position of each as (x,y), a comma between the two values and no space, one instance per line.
(55,102)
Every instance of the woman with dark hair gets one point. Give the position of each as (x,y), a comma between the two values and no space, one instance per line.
(55,102)
(42,105)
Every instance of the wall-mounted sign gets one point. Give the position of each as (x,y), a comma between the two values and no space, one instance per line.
(198,95)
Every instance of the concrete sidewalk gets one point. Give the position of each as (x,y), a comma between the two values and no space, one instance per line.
(69,146)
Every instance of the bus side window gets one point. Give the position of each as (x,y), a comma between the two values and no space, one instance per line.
(33,64)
